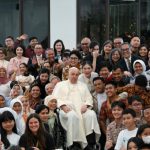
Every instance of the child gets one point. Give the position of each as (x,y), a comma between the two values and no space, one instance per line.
(136,103)
(116,126)
(129,120)
(8,128)
(55,127)
(26,107)
(16,105)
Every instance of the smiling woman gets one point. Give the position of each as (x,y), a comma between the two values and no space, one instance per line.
(16,61)
(35,135)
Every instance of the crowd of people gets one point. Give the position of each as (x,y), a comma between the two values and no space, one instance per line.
(89,98)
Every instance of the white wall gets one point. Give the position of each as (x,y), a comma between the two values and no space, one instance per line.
(63,22)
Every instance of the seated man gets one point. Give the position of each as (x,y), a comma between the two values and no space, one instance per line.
(76,116)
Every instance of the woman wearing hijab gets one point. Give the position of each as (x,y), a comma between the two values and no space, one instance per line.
(140,69)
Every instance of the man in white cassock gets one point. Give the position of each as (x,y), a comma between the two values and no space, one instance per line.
(76,116)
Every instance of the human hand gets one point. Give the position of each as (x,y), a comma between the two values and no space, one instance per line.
(109,144)
(127,73)
(1,145)
(95,54)
(83,108)
(66,109)
(35,148)
(15,69)
(23,37)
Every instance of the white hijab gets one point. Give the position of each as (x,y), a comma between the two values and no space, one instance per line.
(143,66)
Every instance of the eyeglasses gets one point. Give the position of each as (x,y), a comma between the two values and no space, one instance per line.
(117,43)
(137,105)
(73,58)
(125,49)
(84,43)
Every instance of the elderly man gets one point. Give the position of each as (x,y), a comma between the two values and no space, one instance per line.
(76,115)
(85,43)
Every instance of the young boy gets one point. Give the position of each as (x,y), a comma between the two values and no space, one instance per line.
(129,120)
(136,103)
(116,126)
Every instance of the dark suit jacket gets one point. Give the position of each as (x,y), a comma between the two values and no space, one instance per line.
(34,68)
(124,65)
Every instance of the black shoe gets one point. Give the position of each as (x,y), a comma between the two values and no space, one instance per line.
(75,146)
(90,147)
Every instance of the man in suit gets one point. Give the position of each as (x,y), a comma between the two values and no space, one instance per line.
(37,59)
(128,58)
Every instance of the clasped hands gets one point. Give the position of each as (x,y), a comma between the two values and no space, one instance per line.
(66,108)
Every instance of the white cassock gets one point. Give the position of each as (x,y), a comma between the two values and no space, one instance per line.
(77,125)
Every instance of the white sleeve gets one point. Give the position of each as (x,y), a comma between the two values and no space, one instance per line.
(119,141)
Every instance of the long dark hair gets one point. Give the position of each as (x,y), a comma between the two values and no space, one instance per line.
(40,136)
(25,65)
(63,47)
(23,48)
(6,116)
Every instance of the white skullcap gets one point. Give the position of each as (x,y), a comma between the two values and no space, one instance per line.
(48,99)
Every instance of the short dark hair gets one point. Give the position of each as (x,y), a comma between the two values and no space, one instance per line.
(41,107)
(98,78)
(112,83)
(141,81)
(118,67)
(135,140)
(135,98)
(119,104)
(93,44)
(32,38)
(104,65)
(44,70)
(77,53)
(129,111)
(9,37)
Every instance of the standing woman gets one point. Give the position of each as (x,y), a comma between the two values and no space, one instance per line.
(143,53)
(8,128)
(58,49)
(74,61)
(35,136)
(87,76)
(107,48)
(14,63)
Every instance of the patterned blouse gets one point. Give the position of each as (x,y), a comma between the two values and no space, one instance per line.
(113,130)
